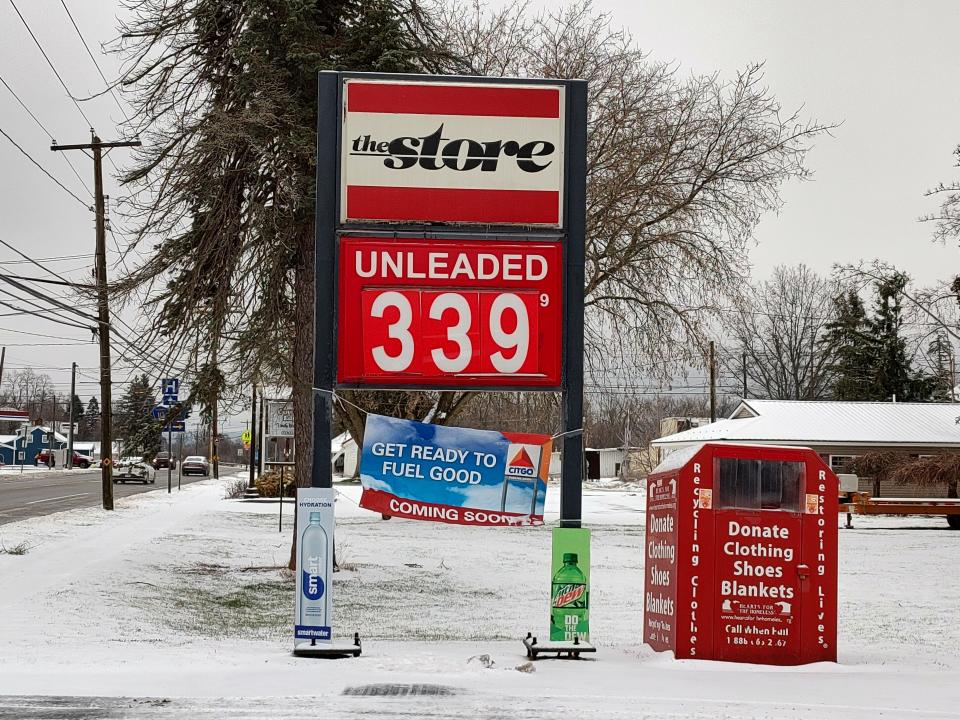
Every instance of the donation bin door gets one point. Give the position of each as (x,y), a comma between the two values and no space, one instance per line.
(759,575)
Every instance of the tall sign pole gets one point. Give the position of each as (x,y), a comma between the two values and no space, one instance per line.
(571,471)
(325,288)
(96,146)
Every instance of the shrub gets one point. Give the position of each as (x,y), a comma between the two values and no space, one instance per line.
(268,484)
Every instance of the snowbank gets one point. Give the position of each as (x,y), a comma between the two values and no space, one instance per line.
(183,595)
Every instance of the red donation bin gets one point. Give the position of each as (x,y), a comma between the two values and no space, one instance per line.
(741,555)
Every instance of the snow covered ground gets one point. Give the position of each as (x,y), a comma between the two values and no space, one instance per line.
(175,606)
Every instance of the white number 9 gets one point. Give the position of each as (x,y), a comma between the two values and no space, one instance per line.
(519,339)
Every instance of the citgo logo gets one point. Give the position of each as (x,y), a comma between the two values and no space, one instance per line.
(523,461)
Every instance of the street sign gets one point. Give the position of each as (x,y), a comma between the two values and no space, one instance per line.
(177,426)
(170,386)
(159,412)
(445,312)
(444,151)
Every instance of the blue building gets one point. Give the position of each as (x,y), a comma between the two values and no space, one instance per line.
(36,441)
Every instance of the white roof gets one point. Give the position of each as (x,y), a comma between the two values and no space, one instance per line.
(8,439)
(815,422)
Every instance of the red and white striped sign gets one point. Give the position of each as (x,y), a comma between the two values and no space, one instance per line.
(14,415)
(431,152)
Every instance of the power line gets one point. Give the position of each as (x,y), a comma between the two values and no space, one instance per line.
(47,132)
(50,63)
(44,170)
(95,63)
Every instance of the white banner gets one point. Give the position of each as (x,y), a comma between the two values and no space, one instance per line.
(313,611)
(279,418)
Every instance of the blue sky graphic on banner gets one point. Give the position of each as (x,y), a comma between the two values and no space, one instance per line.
(455,475)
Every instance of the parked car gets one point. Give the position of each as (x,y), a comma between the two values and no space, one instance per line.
(163,460)
(195,465)
(45,457)
(134,471)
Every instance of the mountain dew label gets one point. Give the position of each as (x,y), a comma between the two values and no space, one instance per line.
(569,596)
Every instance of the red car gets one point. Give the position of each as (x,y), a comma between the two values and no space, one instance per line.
(45,457)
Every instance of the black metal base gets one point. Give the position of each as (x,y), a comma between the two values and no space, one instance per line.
(330,650)
(563,648)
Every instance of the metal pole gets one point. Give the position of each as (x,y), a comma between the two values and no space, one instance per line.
(179,460)
(253,434)
(281,498)
(713,386)
(571,475)
(169,456)
(73,390)
(325,243)
(3,356)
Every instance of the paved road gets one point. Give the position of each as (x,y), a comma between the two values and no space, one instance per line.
(41,492)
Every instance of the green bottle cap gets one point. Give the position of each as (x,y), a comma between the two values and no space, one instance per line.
(570,558)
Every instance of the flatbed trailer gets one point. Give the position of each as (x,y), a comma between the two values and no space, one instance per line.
(860,503)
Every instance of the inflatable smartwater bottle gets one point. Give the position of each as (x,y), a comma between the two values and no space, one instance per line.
(313,566)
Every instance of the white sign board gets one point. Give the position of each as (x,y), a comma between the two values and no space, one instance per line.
(279,418)
(313,612)
(448,152)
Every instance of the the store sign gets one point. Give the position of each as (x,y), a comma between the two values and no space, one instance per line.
(313,611)
(446,313)
(452,152)
(453,475)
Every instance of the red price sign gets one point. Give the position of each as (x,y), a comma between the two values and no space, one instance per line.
(439,313)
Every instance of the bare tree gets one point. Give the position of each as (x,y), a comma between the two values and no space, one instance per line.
(680,169)
(947,220)
(777,329)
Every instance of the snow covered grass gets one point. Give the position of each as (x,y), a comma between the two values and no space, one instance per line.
(188,595)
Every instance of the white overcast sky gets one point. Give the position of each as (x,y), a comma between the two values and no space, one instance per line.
(888,70)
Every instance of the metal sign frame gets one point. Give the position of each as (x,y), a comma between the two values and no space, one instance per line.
(571,234)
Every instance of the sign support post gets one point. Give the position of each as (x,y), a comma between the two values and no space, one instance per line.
(325,289)
(571,471)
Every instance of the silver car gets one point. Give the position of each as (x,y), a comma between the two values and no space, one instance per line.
(195,465)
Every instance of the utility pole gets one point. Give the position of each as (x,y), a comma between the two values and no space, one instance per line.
(3,356)
(713,386)
(73,390)
(103,310)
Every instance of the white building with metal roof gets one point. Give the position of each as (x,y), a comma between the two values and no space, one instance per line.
(838,431)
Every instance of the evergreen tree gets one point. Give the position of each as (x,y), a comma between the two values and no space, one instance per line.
(894,375)
(135,426)
(91,420)
(870,351)
(78,418)
(940,355)
(850,342)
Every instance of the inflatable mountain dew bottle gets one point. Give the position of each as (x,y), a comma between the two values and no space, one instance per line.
(569,602)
